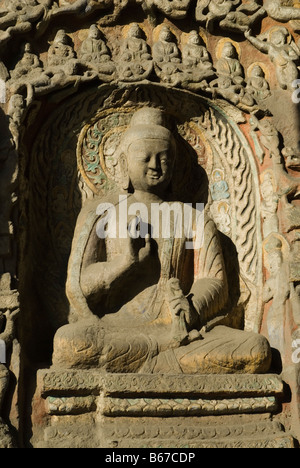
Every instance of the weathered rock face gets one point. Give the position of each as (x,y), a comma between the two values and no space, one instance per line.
(149,223)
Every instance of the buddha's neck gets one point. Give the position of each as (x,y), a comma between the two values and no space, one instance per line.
(146,197)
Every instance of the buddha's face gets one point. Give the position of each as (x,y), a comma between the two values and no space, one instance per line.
(194,39)
(94,33)
(165,35)
(278,38)
(150,165)
(257,72)
(228,51)
(61,39)
(135,31)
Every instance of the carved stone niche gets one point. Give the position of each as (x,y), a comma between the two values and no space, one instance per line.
(75,162)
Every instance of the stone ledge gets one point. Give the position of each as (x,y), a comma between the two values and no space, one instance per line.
(196,429)
(151,407)
(83,382)
(279,441)
(265,434)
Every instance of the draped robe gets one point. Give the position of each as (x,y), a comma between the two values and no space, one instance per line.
(136,335)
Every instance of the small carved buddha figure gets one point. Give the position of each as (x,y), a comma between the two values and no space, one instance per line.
(196,59)
(94,49)
(28,71)
(62,62)
(61,54)
(230,80)
(257,85)
(282,51)
(219,187)
(95,54)
(194,53)
(29,63)
(166,56)
(229,64)
(143,304)
(61,50)
(135,47)
(135,61)
(166,50)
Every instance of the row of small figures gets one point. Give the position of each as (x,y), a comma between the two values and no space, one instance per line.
(192,69)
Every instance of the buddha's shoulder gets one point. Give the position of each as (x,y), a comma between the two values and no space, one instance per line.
(93,205)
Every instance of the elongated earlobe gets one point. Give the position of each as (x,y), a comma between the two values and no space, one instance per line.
(125,182)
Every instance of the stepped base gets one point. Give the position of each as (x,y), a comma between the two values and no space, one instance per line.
(87,409)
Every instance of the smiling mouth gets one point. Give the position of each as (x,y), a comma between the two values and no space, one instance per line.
(154,176)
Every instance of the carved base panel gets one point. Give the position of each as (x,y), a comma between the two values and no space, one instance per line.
(89,409)
(245,432)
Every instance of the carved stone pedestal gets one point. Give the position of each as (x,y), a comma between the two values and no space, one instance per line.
(87,409)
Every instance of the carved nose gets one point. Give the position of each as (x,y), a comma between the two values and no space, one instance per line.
(154,163)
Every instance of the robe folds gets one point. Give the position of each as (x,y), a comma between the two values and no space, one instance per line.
(135,333)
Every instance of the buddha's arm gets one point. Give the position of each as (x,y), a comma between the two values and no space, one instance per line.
(209,292)
(99,277)
(258,43)
(86,47)
(158,53)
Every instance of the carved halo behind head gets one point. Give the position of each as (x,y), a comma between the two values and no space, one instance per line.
(103,143)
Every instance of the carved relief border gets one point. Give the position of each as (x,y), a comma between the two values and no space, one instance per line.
(270,144)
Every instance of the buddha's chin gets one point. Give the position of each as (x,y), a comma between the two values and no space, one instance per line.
(155,180)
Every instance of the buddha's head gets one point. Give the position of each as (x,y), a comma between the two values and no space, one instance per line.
(229,51)
(165,34)
(94,32)
(257,72)
(279,37)
(194,38)
(61,38)
(148,150)
(135,31)
(27,48)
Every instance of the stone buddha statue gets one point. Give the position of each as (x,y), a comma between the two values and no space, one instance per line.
(135,62)
(166,55)
(149,304)
(60,51)
(93,48)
